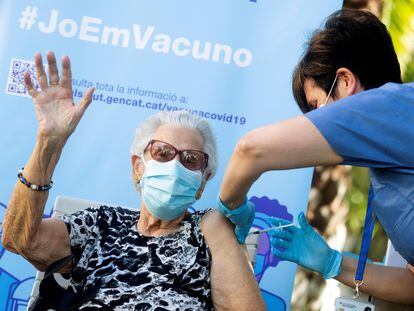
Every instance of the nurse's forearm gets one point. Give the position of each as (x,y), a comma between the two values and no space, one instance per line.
(293,143)
(387,283)
(240,174)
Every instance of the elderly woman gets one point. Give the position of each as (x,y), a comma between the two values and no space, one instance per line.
(160,258)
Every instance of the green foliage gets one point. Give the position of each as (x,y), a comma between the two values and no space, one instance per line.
(398,16)
(408,74)
(357,198)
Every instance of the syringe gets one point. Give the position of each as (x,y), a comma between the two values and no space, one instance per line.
(270,229)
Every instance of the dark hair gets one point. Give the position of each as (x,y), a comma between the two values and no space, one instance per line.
(353,39)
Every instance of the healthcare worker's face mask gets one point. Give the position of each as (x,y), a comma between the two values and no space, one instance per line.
(168,189)
(330,92)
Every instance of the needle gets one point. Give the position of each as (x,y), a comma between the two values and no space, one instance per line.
(270,229)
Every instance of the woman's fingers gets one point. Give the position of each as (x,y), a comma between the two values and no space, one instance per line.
(53,70)
(66,80)
(40,71)
(29,85)
(85,101)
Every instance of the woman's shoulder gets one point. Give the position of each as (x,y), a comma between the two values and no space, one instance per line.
(213,215)
(123,211)
(218,232)
(208,225)
(209,216)
(119,213)
(198,213)
(106,215)
(213,222)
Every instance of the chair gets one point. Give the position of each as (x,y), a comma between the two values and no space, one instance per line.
(392,258)
(252,244)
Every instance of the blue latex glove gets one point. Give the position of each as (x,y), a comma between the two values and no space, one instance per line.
(304,246)
(242,217)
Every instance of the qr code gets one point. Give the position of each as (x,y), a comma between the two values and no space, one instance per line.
(15,81)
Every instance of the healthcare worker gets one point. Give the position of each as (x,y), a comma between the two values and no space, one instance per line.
(358,113)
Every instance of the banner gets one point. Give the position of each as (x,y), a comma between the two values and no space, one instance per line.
(229,62)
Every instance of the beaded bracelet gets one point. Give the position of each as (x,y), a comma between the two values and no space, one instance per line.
(32,186)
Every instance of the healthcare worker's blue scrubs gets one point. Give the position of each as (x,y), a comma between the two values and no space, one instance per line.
(375,129)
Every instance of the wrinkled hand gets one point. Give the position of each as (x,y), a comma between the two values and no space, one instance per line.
(304,246)
(56,112)
(242,217)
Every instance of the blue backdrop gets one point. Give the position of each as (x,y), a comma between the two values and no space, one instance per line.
(228,61)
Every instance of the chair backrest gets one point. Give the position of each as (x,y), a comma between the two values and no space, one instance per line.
(252,244)
(63,206)
(393,258)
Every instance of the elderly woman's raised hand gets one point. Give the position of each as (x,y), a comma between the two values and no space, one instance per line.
(56,112)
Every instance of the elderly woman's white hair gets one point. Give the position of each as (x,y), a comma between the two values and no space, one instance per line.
(146,130)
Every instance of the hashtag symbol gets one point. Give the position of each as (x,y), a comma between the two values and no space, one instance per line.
(28,17)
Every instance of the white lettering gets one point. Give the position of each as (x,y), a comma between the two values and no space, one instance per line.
(90,30)
(68,33)
(52,23)
(227,53)
(141,42)
(86,28)
(161,44)
(116,35)
(196,50)
(176,46)
(247,55)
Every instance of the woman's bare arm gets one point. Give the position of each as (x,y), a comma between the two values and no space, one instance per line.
(294,143)
(24,231)
(233,284)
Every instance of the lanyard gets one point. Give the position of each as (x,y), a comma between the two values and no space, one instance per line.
(366,243)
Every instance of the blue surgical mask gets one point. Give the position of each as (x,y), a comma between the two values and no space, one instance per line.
(168,189)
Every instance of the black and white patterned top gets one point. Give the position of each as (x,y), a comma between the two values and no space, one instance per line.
(171,272)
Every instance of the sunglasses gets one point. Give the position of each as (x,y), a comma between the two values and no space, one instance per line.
(161,151)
